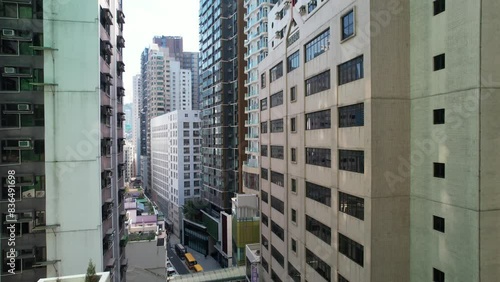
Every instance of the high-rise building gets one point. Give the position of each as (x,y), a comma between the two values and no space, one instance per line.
(176,162)
(455,200)
(136,127)
(62,138)
(334,114)
(188,60)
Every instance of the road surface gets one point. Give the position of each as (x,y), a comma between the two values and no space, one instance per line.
(178,264)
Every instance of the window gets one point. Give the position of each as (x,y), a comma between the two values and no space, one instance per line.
(311,6)
(293,94)
(351,70)
(277,230)
(293,125)
(263,104)
(341,278)
(265,220)
(264,263)
(264,240)
(317,46)
(439,62)
(294,245)
(263,150)
(437,275)
(293,153)
(319,193)
(318,156)
(320,266)
(319,229)
(263,80)
(352,205)
(263,127)
(439,116)
(351,249)
(293,272)
(318,83)
(277,204)
(263,173)
(347,22)
(294,216)
(276,99)
(293,62)
(294,185)
(276,125)
(185,124)
(439,170)
(265,196)
(318,120)
(352,161)
(275,277)
(277,178)
(277,152)
(276,72)
(439,6)
(353,115)
(277,256)
(438,223)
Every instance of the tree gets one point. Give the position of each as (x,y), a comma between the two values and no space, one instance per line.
(192,209)
(91,276)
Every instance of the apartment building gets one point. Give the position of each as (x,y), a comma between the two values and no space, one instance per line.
(136,126)
(128,150)
(256,17)
(454,141)
(176,162)
(334,115)
(62,138)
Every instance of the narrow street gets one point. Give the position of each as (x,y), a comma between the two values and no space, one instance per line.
(178,264)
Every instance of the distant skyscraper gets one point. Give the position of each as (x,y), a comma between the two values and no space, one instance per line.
(136,128)
(61,141)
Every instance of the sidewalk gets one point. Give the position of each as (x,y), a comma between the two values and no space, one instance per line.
(208,263)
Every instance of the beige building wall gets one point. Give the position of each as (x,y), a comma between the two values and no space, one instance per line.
(384,138)
(467,89)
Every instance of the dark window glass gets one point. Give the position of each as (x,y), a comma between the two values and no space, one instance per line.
(352,205)
(263,173)
(264,263)
(277,256)
(319,157)
(438,223)
(293,272)
(437,275)
(263,150)
(293,124)
(293,94)
(294,245)
(293,62)
(265,196)
(353,115)
(277,125)
(265,242)
(352,161)
(277,178)
(319,229)
(351,249)
(318,83)
(351,70)
(439,62)
(275,277)
(277,204)
(317,46)
(277,230)
(263,104)
(293,153)
(294,216)
(277,152)
(263,127)
(439,6)
(341,278)
(439,170)
(265,219)
(294,185)
(277,99)
(319,193)
(318,120)
(263,80)
(320,266)
(347,25)
(439,116)
(276,72)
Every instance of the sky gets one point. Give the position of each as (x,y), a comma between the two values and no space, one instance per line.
(145,19)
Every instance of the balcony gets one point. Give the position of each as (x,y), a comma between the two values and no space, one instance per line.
(249,150)
(251,163)
(251,108)
(250,122)
(251,136)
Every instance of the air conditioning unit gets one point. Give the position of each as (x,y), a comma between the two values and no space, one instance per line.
(279,15)
(302,9)
(24,144)
(109,111)
(8,32)
(40,194)
(23,107)
(9,70)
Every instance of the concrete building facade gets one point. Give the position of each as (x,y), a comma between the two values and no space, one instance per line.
(136,123)
(455,200)
(334,115)
(62,137)
(176,162)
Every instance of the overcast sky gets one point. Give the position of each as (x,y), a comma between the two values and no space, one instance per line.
(147,18)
